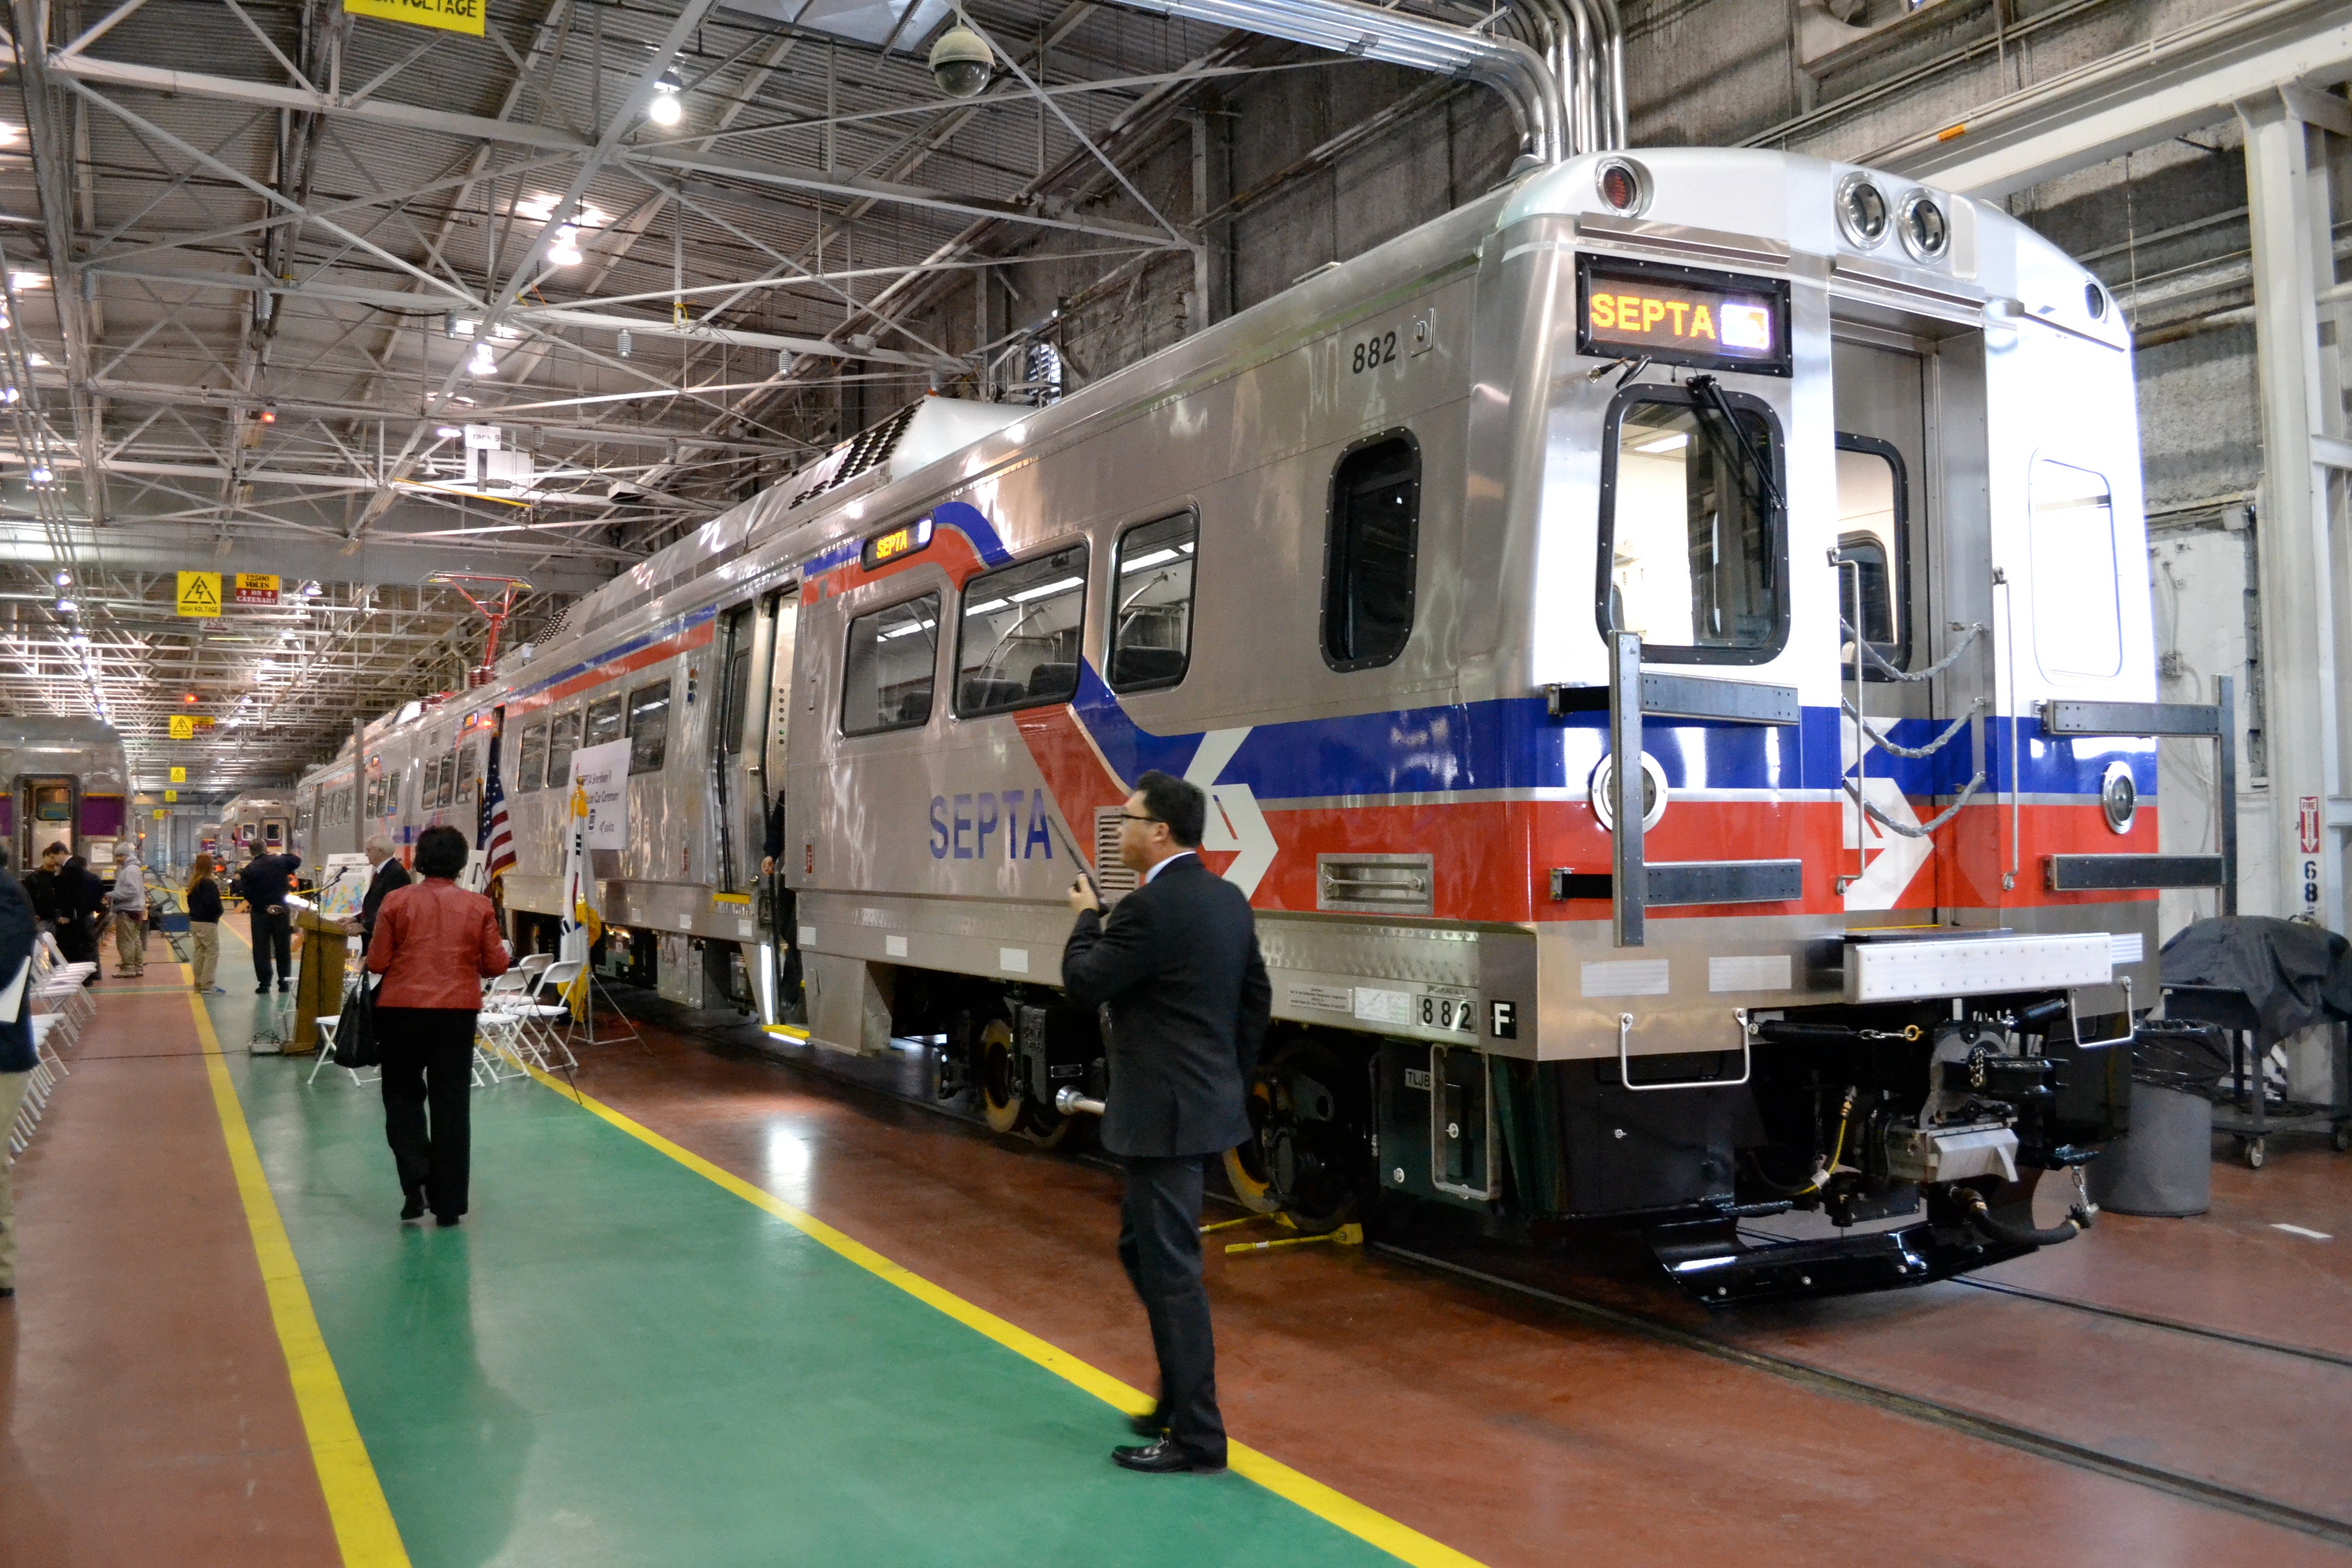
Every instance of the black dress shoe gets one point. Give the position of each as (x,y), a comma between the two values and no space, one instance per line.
(1167,1458)
(414,1208)
(447,1220)
(1153,1425)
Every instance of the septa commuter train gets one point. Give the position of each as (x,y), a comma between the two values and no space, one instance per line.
(67,781)
(1808,486)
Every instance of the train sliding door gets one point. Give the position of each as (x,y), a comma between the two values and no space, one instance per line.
(755,651)
(48,810)
(1912,577)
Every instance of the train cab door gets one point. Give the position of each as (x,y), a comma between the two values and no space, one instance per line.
(48,810)
(1905,578)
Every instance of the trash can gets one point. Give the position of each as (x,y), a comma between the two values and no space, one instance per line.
(2164,1166)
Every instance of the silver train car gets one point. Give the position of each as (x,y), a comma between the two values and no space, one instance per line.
(1816,490)
(263,818)
(67,782)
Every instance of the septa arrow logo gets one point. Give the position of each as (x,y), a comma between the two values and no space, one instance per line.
(1236,823)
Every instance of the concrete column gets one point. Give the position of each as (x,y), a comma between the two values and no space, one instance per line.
(2288,195)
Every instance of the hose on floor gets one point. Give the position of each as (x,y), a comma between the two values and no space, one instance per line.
(1980,1215)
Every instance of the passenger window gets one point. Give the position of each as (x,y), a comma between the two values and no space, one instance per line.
(891,663)
(1367,567)
(2077,625)
(738,701)
(470,770)
(1017,645)
(1692,545)
(1151,603)
(1872,556)
(648,726)
(562,740)
(530,761)
(603,722)
(445,789)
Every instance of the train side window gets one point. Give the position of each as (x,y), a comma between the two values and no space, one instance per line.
(2077,624)
(1017,642)
(562,740)
(1693,547)
(444,790)
(648,726)
(736,703)
(1151,603)
(531,759)
(603,722)
(1872,512)
(1368,553)
(891,667)
(470,770)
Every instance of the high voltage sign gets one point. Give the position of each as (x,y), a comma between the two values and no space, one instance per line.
(182,727)
(200,595)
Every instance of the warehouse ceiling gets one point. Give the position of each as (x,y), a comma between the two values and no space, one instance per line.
(277,273)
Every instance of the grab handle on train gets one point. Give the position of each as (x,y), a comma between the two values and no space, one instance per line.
(1071,1103)
(1626,1067)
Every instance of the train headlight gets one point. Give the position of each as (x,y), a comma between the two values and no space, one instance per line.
(1927,231)
(2094,301)
(1624,185)
(1601,789)
(1861,211)
(2119,796)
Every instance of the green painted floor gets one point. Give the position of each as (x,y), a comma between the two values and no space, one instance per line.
(615,1361)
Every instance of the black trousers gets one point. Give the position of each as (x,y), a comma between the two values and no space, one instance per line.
(273,933)
(1160,1244)
(428,1072)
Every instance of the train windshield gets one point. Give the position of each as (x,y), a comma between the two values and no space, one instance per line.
(1693,542)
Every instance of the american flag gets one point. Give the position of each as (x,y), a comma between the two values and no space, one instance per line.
(493,835)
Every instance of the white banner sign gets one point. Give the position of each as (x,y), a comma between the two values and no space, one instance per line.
(604,772)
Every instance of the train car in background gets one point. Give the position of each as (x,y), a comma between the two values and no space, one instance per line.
(67,782)
(267,819)
(1816,490)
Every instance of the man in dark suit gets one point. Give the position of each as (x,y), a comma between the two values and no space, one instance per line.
(1177,965)
(265,882)
(388,874)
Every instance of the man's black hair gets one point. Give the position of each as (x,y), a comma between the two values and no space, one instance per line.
(56,849)
(441,852)
(1181,806)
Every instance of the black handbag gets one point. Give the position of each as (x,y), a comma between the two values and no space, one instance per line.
(355,1042)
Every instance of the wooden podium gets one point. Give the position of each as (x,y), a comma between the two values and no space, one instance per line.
(319,984)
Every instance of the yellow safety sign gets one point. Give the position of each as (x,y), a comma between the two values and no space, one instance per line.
(199,596)
(182,727)
(179,775)
(452,16)
(170,796)
(161,813)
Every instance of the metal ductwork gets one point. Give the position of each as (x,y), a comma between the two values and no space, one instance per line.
(1527,82)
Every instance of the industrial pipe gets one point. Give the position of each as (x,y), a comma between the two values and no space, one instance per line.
(1349,27)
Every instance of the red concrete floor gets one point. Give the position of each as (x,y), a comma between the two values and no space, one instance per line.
(1520,1435)
(145,1414)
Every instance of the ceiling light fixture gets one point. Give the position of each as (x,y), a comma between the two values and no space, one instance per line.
(447,432)
(666,110)
(65,579)
(565,252)
(66,607)
(482,364)
(20,281)
(40,475)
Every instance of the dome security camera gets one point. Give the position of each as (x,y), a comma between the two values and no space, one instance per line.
(961,63)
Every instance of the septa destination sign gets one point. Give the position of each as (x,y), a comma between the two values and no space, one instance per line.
(904,540)
(1680,315)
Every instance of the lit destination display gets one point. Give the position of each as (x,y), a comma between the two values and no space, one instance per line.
(904,540)
(1684,319)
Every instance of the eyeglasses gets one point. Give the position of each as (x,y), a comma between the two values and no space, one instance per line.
(1130,817)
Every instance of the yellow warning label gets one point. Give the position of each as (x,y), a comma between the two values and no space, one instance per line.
(200,594)
(182,727)
(170,796)
(179,775)
(161,813)
(453,16)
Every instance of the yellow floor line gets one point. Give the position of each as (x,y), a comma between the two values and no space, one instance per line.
(1399,1540)
(356,1503)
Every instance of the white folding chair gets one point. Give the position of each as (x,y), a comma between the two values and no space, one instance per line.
(546,1022)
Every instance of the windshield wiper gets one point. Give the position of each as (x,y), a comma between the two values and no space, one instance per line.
(1709,391)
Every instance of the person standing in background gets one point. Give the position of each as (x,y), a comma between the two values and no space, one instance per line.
(433,944)
(265,882)
(203,924)
(41,887)
(389,876)
(128,903)
(18,932)
(80,899)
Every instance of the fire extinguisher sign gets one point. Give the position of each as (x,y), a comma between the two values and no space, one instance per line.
(2307,823)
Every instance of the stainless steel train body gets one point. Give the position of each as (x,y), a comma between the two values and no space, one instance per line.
(67,782)
(1359,561)
(267,819)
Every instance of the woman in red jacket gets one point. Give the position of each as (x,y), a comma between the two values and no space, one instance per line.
(434,943)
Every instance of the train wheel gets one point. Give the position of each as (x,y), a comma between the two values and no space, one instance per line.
(1000,1089)
(1245,1166)
(1311,1146)
(1042,1127)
